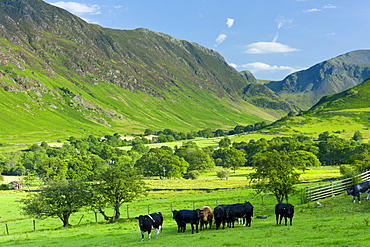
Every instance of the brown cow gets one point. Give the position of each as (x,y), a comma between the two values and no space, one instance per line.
(206,216)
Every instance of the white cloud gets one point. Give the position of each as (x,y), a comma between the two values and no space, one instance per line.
(229,22)
(268,47)
(78,8)
(221,38)
(312,10)
(259,66)
(233,65)
(330,6)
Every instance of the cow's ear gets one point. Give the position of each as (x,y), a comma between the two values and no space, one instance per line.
(137,218)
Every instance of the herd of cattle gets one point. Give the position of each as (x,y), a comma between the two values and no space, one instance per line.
(221,215)
(228,214)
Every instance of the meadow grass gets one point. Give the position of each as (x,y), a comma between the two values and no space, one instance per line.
(337,222)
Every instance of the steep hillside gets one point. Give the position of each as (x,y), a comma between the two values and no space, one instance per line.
(305,88)
(60,76)
(341,114)
(354,99)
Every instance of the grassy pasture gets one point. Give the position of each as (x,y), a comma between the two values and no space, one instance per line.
(337,222)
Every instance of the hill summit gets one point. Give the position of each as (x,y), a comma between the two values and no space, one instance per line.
(305,88)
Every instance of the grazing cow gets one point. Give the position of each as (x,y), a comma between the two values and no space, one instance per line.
(186,216)
(357,189)
(219,214)
(150,222)
(206,217)
(284,210)
(239,210)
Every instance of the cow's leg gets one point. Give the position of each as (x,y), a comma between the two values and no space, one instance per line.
(149,234)
(277,219)
(142,236)
(286,220)
(192,228)
(368,196)
(281,218)
(157,230)
(291,219)
(359,199)
(210,224)
(196,228)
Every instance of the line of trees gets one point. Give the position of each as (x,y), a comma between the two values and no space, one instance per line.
(109,176)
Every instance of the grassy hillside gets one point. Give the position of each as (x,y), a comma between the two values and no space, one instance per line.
(60,76)
(342,114)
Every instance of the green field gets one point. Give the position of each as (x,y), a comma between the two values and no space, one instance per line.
(337,222)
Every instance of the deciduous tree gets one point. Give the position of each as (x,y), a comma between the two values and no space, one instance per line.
(116,185)
(57,199)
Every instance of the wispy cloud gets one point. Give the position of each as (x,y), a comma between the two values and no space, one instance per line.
(221,38)
(281,20)
(78,8)
(268,47)
(229,22)
(312,10)
(259,66)
(328,6)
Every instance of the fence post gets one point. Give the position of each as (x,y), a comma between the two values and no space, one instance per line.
(34,225)
(7,229)
(96,217)
(80,220)
(128,215)
(332,189)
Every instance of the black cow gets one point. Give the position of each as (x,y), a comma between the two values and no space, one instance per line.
(149,222)
(219,214)
(357,189)
(285,210)
(239,210)
(183,217)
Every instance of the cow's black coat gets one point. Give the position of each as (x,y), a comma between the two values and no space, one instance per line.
(219,215)
(285,210)
(357,189)
(239,210)
(149,222)
(182,217)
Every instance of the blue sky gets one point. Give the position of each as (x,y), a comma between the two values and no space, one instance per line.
(270,38)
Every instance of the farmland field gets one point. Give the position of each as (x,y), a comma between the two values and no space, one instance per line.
(337,222)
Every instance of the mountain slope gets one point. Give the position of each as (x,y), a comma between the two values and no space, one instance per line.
(60,76)
(341,114)
(354,99)
(305,88)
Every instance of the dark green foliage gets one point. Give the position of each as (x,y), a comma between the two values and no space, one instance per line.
(116,185)
(275,173)
(57,199)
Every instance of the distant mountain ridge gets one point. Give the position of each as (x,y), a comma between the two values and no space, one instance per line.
(305,88)
(63,76)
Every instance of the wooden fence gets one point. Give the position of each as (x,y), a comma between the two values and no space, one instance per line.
(332,188)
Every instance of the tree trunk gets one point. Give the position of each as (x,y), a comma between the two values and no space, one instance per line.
(117,212)
(65,219)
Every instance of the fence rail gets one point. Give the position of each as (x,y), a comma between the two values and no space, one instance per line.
(333,188)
